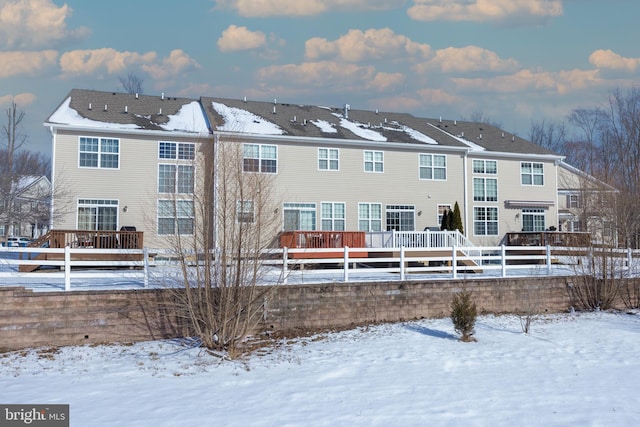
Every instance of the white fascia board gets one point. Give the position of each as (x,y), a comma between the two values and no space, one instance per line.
(523,156)
(285,139)
(164,133)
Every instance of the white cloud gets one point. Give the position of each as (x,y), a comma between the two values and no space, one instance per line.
(528,11)
(26,63)
(79,62)
(21,99)
(240,38)
(35,23)
(329,75)
(607,59)
(263,8)
(359,45)
(177,63)
(467,59)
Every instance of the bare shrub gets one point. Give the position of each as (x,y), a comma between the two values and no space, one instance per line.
(630,292)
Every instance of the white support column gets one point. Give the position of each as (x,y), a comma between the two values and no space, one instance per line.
(402,272)
(503,260)
(454,262)
(67,268)
(548,260)
(346,264)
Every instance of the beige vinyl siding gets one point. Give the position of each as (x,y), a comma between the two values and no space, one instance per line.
(299,180)
(510,188)
(133,185)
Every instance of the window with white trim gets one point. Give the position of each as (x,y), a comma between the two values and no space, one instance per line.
(260,158)
(488,167)
(101,153)
(485,189)
(531,173)
(175,179)
(401,217)
(175,217)
(97,214)
(433,166)
(533,220)
(328,159)
(374,161)
(485,221)
(573,201)
(176,151)
(332,216)
(245,211)
(369,217)
(299,216)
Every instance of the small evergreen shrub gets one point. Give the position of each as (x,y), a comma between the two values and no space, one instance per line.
(463,315)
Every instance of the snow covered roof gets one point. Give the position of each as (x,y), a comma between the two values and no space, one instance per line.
(112,110)
(122,111)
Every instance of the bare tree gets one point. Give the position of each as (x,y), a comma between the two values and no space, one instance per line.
(550,135)
(132,84)
(14,139)
(221,264)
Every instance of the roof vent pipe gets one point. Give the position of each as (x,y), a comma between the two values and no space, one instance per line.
(376,111)
(105,107)
(89,106)
(513,138)
(137,95)
(462,134)
(160,112)
(126,109)
(244,99)
(440,119)
(294,119)
(503,134)
(162,96)
(347,107)
(275,101)
(455,123)
(274,109)
(304,123)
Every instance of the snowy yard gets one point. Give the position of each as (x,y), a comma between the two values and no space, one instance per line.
(572,369)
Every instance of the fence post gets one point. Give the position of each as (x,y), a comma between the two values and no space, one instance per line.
(346,264)
(285,257)
(548,260)
(629,261)
(67,268)
(145,256)
(503,259)
(402,276)
(454,262)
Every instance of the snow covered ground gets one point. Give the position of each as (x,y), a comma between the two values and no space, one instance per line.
(571,370)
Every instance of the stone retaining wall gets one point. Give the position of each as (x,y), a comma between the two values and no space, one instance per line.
(33,319)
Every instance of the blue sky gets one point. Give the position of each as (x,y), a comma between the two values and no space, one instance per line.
(513,61)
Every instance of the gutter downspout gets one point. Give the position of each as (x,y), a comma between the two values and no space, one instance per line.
(53,175)
(465,159)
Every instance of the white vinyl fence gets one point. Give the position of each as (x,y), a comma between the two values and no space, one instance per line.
(399,263)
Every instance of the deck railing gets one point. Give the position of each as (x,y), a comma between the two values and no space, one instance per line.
(544,238)
(90,239)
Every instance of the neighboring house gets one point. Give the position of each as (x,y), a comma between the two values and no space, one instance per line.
(127,160)
(586,204)
(24,205)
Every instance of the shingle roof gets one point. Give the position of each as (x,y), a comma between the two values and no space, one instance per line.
(143,111)
(303,121)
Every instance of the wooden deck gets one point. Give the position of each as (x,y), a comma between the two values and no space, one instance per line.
(324,240)
(89,239)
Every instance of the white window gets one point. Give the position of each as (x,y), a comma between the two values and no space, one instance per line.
(328,159)
(332,216)
(245,211)
(175,217)
(102,153)
(489,167)
(369,217)
(299,216)
(401,217)
(485,189)
(260,158)
(433,166)
(533,220)
(176,151)
(175,179)
(531,173)
(374,161)
(485,221)
(573,201)
(442,209)
(97,214)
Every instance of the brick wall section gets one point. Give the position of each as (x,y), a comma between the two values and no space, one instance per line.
(33,319)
